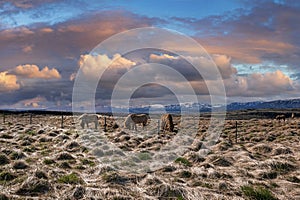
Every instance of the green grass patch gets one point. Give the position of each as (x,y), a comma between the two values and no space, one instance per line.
(30,132)
(258,193)
(70,179)
(144,156)
(88,162)
(183,161)
(48,161)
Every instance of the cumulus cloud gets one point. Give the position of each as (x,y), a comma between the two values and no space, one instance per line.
(8,82)
(91,65)
(223,63)
(259,85)
(33,71)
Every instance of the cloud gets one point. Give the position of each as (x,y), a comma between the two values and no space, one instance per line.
(57,43)
(33,71)
(8,82)
(92,66)
(27,49)
(267,31)
(223,63)
(260,85)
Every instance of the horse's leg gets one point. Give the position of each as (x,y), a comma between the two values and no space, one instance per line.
(96,124)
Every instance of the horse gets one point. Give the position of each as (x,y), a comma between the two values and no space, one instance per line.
(89,118)
(280,117)
(133,119)
(167,123)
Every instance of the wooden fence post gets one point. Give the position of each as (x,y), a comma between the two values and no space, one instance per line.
(236,132)
(105,124)
(158,125)
(30,120)
(62,120)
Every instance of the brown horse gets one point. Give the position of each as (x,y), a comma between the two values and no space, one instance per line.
(133,119)
(167,123)
(280,117)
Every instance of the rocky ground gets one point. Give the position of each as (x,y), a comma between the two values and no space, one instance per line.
(41,160)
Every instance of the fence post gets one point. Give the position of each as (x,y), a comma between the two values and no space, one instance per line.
(62,120)
(30,120)
(158,125)
(236,132)
(105,124)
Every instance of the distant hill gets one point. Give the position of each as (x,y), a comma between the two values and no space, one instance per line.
(177,108)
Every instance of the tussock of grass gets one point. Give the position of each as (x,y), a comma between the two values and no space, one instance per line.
(70,179)
(144,156)
(17,155)
(282,150)
(41,175)
(3,197)
(65,156)
(269,175)
(202,184)
(113,177)
(79,192)
(88,162)
(263,149)
(7,176)
(20,165)
(34,187)
(4,160)
(65,165)
(48,161)
(221,161)
(282,167)
(258,193)
(6,136)
(293,179)
(167,192)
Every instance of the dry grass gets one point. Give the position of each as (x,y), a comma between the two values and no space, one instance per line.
(49,162)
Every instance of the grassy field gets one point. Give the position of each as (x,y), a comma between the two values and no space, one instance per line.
(41,160)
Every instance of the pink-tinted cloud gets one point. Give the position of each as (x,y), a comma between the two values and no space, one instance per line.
(260,85)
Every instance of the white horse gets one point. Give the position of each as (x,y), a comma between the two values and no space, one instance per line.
(89,118)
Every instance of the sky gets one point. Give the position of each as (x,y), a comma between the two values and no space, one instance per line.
(44,44)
